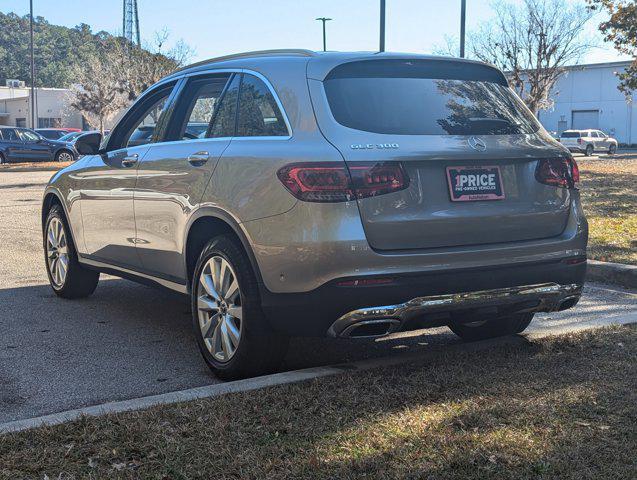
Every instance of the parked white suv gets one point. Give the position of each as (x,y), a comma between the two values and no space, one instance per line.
(588,141)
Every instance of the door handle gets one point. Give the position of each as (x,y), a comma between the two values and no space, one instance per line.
(198,159)
(130,160)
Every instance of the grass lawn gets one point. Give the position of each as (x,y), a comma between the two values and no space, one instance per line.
(609,196)
(563,407)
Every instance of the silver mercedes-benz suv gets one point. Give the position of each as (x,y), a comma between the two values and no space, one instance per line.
(343,194)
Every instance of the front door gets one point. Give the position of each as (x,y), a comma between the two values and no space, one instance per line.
(173,175)
(35,148)
(107,184)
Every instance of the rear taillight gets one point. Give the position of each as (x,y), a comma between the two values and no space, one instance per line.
(334,182)
(558,172)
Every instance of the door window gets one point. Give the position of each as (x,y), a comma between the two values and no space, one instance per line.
(141,124)
(196,107)
(10,135)
(592,134)
(28,136)
(259,114)
(225,119)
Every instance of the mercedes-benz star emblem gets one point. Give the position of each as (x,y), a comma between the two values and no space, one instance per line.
(477,144)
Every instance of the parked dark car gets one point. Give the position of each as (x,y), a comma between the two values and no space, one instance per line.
(22,144)
(55,133)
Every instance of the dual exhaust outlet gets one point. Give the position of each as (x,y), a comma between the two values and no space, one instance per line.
(380,321)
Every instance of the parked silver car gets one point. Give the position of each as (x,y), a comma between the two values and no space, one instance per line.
(588,142)
(341,194)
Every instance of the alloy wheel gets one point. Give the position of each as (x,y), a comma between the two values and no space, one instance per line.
(219,308)
(57,252)
(65,157)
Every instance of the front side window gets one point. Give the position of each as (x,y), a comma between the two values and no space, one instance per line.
(139,124)
(143,131)
(415,97)
(259,114)
(28,136)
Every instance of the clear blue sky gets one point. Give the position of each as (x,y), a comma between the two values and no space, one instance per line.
(219,27)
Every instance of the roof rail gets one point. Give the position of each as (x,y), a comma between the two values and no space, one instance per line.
(258,53)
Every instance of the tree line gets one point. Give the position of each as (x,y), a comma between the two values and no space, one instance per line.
(104,72)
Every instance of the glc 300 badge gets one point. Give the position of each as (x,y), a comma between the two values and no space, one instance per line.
(372,146)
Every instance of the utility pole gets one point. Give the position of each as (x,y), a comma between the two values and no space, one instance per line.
(463,19)
(382,26)
(324,19)
(32,65)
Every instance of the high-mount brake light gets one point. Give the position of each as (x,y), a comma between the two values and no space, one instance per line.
(335,182)
(558,172)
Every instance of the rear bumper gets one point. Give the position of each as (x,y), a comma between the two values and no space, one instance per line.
(315,312)
(383,320)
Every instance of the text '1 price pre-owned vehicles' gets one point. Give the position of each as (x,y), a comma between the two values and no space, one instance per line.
(342,194)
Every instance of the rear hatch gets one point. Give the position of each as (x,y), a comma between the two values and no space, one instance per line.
(467,144)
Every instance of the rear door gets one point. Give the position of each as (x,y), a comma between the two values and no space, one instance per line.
(466,142)
(173,175)
(35,147)
(13,145)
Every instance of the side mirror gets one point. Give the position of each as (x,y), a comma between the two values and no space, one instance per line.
(88,144)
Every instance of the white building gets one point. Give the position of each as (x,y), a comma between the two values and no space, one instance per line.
(586,96)
(52,106)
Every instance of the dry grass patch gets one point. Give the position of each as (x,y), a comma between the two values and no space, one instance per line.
(33,166)
(557,408)
(609,196)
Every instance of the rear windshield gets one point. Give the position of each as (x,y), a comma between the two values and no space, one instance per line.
(571,134)
(425,98)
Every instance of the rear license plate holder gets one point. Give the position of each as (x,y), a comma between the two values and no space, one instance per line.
(475,183)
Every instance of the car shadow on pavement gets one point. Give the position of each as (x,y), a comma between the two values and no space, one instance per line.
(127,341)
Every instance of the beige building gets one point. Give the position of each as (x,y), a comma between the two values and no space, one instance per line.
(52,107)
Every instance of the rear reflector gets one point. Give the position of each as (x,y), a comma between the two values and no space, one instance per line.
(334,182)
(558,172)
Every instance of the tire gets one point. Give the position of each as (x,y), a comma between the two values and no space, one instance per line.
(498,327)
(612,149)
(64,156)
(77,281)
(231,332)
(589,150)
(2,159)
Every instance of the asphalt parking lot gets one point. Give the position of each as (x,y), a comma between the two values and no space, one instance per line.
(128,341)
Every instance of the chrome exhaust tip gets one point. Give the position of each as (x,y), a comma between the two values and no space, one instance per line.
(371,328)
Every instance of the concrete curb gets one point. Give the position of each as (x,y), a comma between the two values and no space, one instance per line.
(297,376)
(615,273)
(243,385)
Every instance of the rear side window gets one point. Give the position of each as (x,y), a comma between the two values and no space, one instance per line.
(225,119)
(571,134)
(9,134)
(259,114)
(417,97)
(196,107)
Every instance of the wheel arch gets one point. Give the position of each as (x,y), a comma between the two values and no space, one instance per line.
(207,223)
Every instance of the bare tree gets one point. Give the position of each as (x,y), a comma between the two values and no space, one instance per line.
(99,91)
(450,47)
(532,43)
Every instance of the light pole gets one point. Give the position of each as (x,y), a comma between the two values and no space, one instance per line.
(324,19)
(463,18)
(32,65)
(382,26)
